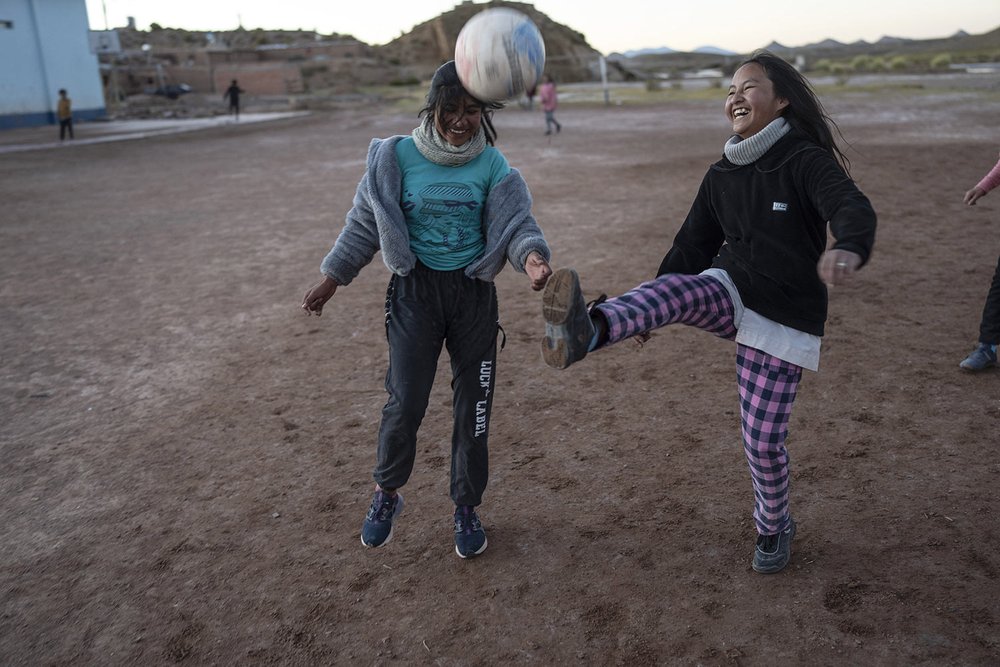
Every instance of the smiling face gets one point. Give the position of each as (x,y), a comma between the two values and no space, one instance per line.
(459,121)
(752,104)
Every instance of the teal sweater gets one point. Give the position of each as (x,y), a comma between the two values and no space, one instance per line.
(376,222)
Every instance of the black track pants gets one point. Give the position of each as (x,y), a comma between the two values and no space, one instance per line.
(989,326)
(423,311)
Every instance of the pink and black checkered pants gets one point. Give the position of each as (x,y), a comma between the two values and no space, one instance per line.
(767,385)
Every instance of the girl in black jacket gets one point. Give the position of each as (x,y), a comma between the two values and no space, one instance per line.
(750,264)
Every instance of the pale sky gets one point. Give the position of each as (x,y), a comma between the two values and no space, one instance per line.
(608,25)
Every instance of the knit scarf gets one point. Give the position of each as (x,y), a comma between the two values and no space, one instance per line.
(433,146)
(746,151)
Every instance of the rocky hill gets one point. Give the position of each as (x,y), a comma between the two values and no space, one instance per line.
(161,38)
(568,56)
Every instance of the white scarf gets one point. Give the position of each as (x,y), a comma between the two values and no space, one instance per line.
(746,151)
(433,146)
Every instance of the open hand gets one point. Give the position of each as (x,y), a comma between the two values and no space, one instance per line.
(538,270)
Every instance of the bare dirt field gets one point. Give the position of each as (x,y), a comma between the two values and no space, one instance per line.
(187,457)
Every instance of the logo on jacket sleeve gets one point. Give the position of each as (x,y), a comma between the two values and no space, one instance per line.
(779,206)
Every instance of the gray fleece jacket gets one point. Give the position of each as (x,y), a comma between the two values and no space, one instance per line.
(376,222)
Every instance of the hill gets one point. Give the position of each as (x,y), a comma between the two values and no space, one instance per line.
(987,45)
(568,56)
(917,52)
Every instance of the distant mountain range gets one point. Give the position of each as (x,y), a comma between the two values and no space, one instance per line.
(665,49)
(777,47)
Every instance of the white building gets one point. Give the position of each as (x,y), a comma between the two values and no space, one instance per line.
(44,47)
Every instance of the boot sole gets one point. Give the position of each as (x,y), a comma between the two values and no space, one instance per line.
(561,292)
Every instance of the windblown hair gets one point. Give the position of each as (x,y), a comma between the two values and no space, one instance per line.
(804,111)
(446,88)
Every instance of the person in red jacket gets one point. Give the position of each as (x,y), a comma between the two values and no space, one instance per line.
(550,102)
(985,354)
(749,264)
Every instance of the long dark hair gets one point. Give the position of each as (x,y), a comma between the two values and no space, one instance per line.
(446,88)
(804,111)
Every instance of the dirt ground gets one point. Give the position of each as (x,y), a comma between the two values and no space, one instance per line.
(187,456)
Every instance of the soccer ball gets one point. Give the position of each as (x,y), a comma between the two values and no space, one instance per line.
(499,54)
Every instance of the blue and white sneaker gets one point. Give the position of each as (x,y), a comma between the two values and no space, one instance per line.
(981,358)
(470,538)
(377,528)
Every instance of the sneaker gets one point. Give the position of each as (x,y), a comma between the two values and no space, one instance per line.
(377,528)
(470,538)
(984,356)
(773,552)
(568,328)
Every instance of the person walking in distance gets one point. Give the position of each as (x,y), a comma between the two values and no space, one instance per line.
(549,99)
(750,264)
(447,211)
(64,112)
(233,95)
(985,354)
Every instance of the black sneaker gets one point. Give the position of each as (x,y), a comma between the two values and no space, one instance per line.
(773,552)
(568,328)
(470,538)
(377,528)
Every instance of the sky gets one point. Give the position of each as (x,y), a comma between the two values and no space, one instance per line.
(609,25)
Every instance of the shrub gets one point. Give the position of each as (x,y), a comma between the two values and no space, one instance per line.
(862,63)
(900,64)
(941,61)
(823,65)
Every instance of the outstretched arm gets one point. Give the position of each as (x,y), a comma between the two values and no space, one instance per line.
(990,181)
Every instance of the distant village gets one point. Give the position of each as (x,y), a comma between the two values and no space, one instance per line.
(172,62)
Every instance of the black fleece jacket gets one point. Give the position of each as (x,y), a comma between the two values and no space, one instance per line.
(765,224)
